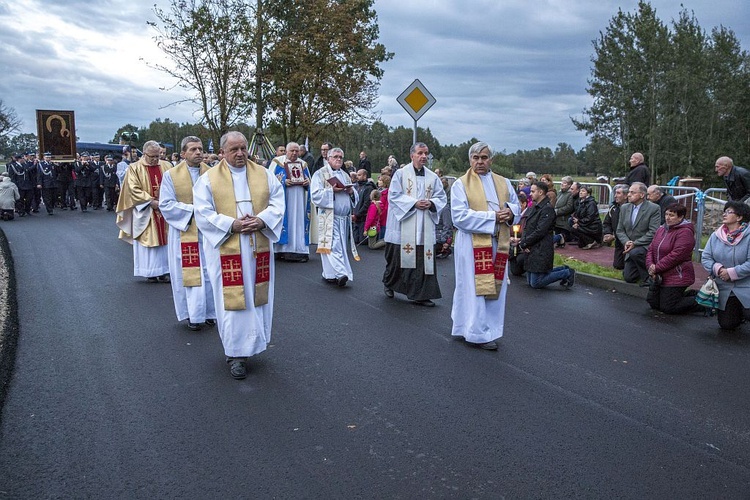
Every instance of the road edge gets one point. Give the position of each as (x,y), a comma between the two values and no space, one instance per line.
(8,319)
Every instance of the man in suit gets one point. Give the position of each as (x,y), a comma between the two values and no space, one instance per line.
(609,226)
(639,220)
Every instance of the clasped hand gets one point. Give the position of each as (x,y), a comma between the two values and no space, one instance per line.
(247,224)
(503,215)
(423,205)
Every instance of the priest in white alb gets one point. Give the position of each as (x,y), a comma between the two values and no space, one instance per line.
(333,195)
(239,208)
(191,288)
(138,217)
(484,205)
(294,175)
(415,199)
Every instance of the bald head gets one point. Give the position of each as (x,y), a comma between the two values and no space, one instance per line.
(361,174)
(636,159)
(654,193)
(723,166)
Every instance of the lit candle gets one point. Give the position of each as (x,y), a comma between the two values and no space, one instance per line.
(516,228)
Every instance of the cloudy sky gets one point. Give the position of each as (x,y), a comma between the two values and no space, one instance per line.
(510,72)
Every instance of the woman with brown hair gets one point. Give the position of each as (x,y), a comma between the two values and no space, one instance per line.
(552,192)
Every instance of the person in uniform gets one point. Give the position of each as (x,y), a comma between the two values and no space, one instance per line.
(47,182)
(109,182)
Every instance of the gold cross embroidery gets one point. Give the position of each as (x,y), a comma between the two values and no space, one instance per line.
(190,255)
(484,261)
(230,271)
(263,272)
(409,186)
(429,254)
(408,248)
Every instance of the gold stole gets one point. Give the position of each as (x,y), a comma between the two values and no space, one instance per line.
(191,262)
(488,275)
(220,179)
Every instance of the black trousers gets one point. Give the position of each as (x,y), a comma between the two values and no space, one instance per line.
(110,194)
(84,196)
(672,300)
(49,195)
(23,205)
(732,315)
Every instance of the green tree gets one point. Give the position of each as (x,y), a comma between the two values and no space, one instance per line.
(627,82)
(323,66)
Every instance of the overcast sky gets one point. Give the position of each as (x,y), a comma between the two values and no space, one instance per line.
(510,72)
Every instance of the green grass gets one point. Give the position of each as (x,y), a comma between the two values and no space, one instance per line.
(588,267)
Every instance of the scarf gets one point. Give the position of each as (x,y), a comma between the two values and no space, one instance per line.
(409,225)
(222,187)
(189,249)
(488,274)
(731,237)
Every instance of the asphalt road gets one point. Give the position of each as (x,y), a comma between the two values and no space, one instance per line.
(359,396)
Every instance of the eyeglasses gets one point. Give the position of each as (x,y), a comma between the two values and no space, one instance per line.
(338,157)
(729,212)
(321,149)
(151,156)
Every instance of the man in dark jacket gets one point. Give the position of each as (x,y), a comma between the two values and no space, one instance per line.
(737,179)
(638,170)
(536,242)
(322,160)
(86,176)
(364,163)
(609,229)
(47,181)
(24,177)
(654,194)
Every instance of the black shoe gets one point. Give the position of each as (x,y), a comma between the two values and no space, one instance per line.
(164,278)
(193,326)
(97,208)
(237,368)
(425,303)
(152,280)
(489,346)
(211,322)
(64,208)
(330,280)
(341,281)
(304,259)
(388,292)
(50,213)
(36,211)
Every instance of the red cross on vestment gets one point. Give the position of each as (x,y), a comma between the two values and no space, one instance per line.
(262,269)
(483,261)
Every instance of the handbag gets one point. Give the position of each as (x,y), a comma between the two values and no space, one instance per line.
(372,232)
(708,295)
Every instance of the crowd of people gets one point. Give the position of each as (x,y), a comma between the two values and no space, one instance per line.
(215,232)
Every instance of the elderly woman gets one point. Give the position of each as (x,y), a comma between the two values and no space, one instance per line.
(586,226)
(9,196)
(727,259)
(669,262)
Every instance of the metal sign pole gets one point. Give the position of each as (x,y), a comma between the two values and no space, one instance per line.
(414,137)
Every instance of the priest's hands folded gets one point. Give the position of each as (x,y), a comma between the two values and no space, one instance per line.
(247,224)
(503,215)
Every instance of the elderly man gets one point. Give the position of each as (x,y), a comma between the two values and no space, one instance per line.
(483,205)
(139,218)
(292,172)
(415,199)
(333,195)
(638,170)
(306,156)
(737,179)
(639,220)
(609,226)
(239,209)
(191,288)
(654,194)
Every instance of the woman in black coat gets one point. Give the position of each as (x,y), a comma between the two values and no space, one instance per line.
(585,222)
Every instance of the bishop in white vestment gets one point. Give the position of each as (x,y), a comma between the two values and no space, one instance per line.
(483,205)
(239,208)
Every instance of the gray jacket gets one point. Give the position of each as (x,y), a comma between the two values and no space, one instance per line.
(736,257)
(564,207)
(8,194)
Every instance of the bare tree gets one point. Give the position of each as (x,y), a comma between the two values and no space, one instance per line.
(9,121)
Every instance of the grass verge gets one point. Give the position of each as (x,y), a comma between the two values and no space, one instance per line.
(588,267)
